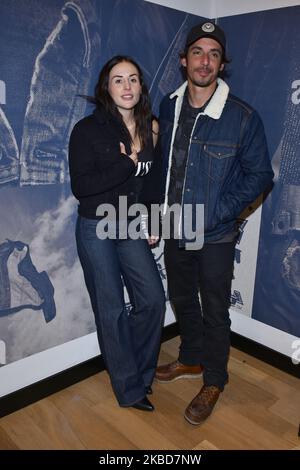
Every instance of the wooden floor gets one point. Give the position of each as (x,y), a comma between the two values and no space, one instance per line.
(259,409)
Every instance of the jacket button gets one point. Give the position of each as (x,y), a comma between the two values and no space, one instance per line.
(187,190)
(192,164)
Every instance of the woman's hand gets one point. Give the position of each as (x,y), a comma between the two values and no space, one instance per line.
(133,155)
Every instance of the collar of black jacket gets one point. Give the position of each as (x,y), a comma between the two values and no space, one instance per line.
(103,116)
(116,127)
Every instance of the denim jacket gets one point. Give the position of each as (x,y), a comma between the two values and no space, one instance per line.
(60,74)
(34,289)
(228,163)
(62,71)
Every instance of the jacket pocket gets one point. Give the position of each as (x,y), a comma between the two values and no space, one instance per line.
(218,159)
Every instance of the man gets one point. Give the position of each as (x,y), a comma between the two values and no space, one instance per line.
(215,154)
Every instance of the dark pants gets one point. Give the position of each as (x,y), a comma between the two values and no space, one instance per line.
(129,343)
(205,329)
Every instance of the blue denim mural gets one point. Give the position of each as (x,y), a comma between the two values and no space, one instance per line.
(9,152)
(62,71)
(66,66)
(266,73)
(50,53)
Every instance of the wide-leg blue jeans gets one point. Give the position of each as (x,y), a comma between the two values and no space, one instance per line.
(129,341)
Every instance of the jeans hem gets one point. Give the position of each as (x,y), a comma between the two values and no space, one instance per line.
(125,405)
(190,362)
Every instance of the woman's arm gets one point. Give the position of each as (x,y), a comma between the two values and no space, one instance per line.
(86,178)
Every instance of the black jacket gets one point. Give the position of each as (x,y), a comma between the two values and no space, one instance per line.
(99,172)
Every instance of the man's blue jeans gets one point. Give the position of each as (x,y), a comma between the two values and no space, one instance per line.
(205,328)
(129,341)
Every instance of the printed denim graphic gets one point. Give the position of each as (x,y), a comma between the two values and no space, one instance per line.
(2,353)
(286,160)
(2,92)
(62,71)
(277,283)
(286,197)
(236,299)
(49,54)
(21,285)
(286,224)
(9,152)
(64,68)
(167,77)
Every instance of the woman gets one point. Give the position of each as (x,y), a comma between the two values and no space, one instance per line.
(110,153)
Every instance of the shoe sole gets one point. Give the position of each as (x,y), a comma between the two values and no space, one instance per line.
(194,423)
(143,409)
(185,376)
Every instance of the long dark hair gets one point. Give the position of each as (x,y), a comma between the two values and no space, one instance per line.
(142,110)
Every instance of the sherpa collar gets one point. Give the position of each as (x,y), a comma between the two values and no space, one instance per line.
(215,106)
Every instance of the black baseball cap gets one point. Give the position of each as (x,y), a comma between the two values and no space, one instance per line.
(207,29)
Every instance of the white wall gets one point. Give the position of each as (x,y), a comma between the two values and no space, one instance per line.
(197,7)
(221,8)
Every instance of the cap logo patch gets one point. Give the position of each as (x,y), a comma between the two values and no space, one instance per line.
(208,27)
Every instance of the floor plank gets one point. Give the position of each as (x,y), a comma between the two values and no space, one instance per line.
(259,409)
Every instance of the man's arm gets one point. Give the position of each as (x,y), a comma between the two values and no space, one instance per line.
(256,175)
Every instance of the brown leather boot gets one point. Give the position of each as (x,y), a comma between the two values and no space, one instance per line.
(202,405)
(175,370)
